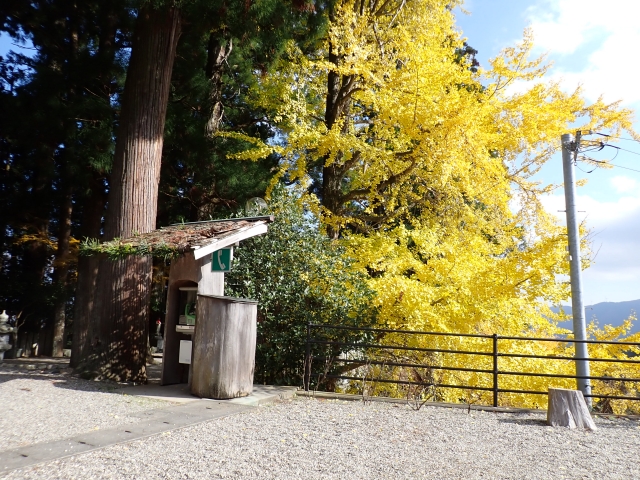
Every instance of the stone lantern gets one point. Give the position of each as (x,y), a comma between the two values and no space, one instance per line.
(5,331)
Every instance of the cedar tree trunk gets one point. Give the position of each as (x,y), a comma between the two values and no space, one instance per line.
(119,336)
(84,313)
(61,273)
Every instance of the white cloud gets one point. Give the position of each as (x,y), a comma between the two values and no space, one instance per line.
(562,27)
(602,214)
(592,44)
(624,184)
(615,228)
(556,29)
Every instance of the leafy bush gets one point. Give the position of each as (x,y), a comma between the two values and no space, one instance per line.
(299,276)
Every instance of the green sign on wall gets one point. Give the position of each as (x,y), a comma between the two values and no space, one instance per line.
(221,260)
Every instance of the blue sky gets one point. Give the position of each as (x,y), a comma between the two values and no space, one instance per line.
(592,44)
(595,45)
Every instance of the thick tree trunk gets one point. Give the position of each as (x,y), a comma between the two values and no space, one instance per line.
(93,208)
(119,346)
(83,313)
(331,175)
(136,170)
(61,272)
(84,309)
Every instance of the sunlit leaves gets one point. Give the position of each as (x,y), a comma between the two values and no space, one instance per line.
(424,165)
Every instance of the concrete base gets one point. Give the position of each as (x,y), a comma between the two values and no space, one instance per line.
(179,393)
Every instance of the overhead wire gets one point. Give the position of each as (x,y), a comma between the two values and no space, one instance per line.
(602,144)
(614,157)
(618,138)
(612,164)
(589,158)
(598,146)
(590,171)
(623,149)
(594,149)
(620,166)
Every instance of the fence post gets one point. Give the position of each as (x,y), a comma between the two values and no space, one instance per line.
(307,360)
(495,370)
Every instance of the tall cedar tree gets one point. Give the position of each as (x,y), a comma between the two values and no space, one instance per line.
(118,329)
(57,151)
(114,344)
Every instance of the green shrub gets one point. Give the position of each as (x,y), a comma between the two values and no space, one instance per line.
(299,276)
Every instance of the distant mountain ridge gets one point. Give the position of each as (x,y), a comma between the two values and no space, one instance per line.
(607,313)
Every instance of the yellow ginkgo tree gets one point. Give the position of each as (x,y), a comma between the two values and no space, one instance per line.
(423,164)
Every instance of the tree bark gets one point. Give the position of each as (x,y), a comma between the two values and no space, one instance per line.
(567,408)
(118,343)
(219,51)
(83,314)
(61,258)
(94,205)
(61,273)
(336,108)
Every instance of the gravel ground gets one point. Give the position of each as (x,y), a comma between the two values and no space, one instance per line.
(312,439)
(40,406)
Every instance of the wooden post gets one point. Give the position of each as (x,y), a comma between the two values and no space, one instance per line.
(567,408)
(224,347)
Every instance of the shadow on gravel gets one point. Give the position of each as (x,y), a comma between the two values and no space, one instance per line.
(7,377)
(534,422)
(58,380)
(64,380)
(601,423)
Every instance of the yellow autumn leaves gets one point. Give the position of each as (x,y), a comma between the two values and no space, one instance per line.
(424,166)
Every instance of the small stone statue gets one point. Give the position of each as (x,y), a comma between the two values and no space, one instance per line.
(159,339)
(5,330)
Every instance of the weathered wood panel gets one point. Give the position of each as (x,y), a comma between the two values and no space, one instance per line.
(209,283)
(185,271)
(224,347)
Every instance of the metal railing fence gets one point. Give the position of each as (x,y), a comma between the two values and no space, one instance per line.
(338,357)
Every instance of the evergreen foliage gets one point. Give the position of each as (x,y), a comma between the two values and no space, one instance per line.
(59,105)
(60,114)
(198,182)
(299,276)
(416,163)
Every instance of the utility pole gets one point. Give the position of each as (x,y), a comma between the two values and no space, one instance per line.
(579,323)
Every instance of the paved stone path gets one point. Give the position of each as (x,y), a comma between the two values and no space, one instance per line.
(151,423)
(182,410)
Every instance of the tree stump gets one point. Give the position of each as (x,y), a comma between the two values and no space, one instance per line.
(224,347)
(567,408)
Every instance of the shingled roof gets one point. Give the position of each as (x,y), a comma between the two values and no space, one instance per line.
(200,237)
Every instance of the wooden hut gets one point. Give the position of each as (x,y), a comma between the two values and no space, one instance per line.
(192,274)
(217,332)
